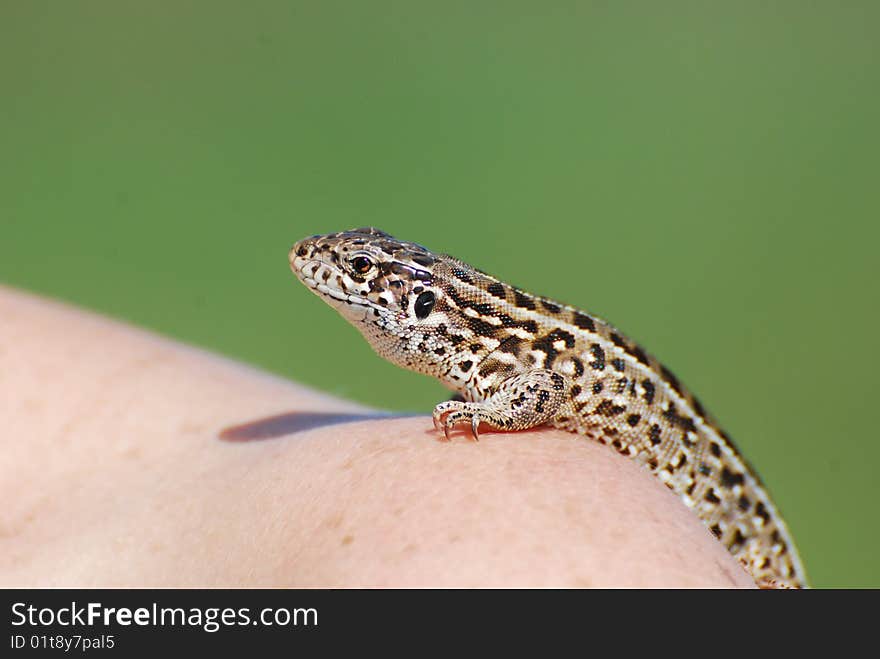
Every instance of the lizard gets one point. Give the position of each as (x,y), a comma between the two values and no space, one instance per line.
(517,361)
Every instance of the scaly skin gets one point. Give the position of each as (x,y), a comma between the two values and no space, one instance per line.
(518,361)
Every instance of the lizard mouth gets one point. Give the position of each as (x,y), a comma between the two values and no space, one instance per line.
(315,274)
(334,293)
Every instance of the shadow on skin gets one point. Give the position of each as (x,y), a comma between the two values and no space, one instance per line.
(293,422)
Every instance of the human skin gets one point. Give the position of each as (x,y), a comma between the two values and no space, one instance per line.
(133,460)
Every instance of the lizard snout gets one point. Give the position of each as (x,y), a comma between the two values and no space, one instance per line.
(301,253)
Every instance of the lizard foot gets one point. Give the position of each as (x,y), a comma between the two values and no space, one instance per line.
(522,401)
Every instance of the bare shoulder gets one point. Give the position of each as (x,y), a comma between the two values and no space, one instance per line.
(535,508)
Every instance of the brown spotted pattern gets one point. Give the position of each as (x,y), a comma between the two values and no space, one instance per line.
(519,360)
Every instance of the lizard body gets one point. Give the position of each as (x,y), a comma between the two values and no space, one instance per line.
(519,360)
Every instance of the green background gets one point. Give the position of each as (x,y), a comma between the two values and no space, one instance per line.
(704,175)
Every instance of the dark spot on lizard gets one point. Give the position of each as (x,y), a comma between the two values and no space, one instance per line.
(731,478)
(497,289)
(545,344)
(575,391)
(529,326)
(598,362)
(466,365)
(584,322)
(608,408)
(633,420)
(461,275)
(578,367)
(654,434)
(463,303)
(617,364)
(648,386)
(550,306)
(455,339)
(562,335)
(670,379)
(737,541)
(744,504)
(698,407)
(639,354)
(511,344)
(481,327)
(684,422)
(715,449)
(597,387)
(523,301)
(711,497)
(543,397)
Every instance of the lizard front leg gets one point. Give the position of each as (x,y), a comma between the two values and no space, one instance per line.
(521,401)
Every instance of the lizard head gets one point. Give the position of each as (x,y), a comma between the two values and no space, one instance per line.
(426,312)
(369,277)
(400,296)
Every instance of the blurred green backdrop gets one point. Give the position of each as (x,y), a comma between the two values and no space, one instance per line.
(702,174)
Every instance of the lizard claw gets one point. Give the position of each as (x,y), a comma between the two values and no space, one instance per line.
(442,421)
(451,413)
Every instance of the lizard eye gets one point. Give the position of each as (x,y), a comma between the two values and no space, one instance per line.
(423,304)
(361,264)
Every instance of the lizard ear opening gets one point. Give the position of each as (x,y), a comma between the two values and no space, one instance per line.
(423,304)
